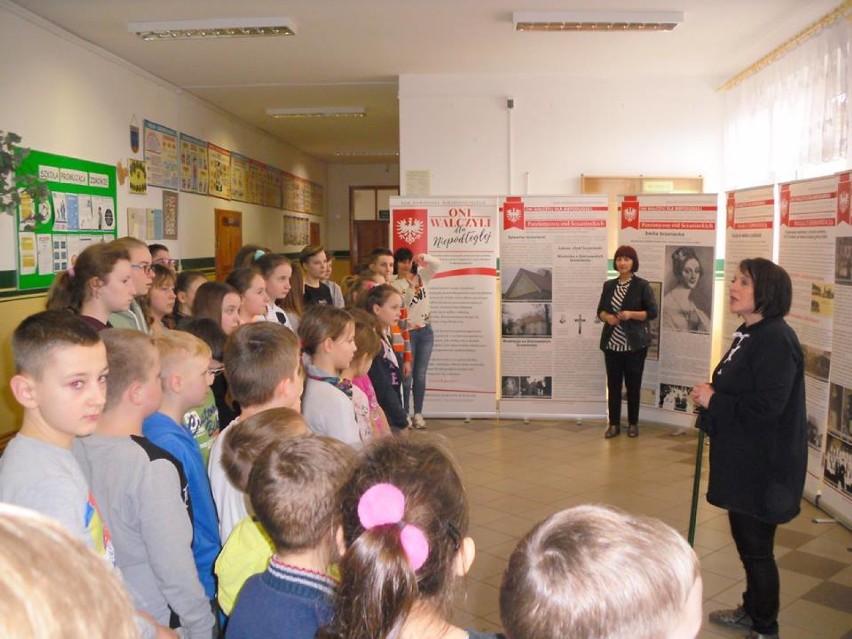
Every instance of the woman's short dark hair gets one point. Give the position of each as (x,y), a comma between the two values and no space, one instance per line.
(403,254)
(628,252)
(773,290)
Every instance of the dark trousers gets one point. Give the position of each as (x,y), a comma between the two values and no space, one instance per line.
(624,367)
(755,540)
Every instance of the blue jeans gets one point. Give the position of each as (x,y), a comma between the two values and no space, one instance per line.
(422,341)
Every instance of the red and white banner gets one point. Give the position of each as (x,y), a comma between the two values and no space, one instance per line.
(553,264)
(836,467)
(749,233)
(806,249)
(464,234)
(674,237)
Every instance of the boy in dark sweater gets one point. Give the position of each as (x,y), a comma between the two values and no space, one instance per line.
(293,487)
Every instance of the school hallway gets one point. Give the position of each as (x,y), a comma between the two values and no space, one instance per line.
(517,474)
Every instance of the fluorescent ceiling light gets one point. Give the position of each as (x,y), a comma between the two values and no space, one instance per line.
(596,20)
(318,112)
(367,153)
(212,28)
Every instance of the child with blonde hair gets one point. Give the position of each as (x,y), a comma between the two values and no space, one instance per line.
(600,573)
(142,490)
(185,377)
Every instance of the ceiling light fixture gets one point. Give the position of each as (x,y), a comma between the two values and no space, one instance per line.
(212,28)
(602,21)
(318,112)
(367,153)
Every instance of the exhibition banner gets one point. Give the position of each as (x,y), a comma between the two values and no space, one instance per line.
(463,233)
(553,262)
(807,251)
(837,468)
(749,232)
(675,239)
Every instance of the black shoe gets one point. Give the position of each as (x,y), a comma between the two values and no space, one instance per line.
(735,618)
(614,430)
(633,430)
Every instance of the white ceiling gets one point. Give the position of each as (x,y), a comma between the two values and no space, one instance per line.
(351,52)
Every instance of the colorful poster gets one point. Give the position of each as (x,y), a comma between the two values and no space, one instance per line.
(82,200)
(553,262)
(464,234)
(240,177)
(297,232)
(675,239)
(807,251)
(749,231)
(219,166)
(193,165)
(837,450)
(161,155)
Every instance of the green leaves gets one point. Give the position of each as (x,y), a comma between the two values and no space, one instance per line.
(12,184)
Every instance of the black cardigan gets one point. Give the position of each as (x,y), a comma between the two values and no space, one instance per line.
(757,422)
(639,297)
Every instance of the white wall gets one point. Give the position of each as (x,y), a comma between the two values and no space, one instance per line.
(340,178)
(458,128)
(65,96)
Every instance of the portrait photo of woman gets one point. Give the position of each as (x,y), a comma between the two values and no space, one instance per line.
(688,300)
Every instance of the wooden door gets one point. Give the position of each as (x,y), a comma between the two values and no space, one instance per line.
(229,239)
(314,231)
(368,235)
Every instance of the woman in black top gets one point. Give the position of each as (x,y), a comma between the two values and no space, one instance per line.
(754,412)
(626,306)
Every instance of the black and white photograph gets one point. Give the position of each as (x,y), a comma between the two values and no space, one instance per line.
(688,300)
(817,362)
(675,397)
(536,386)
(838,464)
(511,386)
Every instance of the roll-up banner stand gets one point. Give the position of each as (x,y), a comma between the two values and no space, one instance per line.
(553,263)
(464,234)
(675,239)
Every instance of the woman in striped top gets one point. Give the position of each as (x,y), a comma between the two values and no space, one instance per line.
(626,307)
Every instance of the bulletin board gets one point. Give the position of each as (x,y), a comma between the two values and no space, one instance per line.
(81,210)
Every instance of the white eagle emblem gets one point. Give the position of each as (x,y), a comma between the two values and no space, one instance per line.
(630,213)
(513,214)
(409,229)
(844,202)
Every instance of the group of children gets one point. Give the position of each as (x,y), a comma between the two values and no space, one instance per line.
(315,515)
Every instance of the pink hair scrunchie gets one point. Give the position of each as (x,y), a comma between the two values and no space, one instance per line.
(385,504)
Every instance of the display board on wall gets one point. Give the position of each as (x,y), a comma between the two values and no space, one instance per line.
(464,234)
(749,232)
(193,165)
(80,211)
(161,156)
(553,261)
(837,467)
(806,250)
(674,237)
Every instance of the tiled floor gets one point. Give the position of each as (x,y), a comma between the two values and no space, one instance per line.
(517,474)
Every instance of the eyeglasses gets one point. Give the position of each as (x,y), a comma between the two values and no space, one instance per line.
(144,267)
(215,371)
(167,261)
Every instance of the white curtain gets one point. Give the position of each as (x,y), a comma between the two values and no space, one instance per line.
(791,119)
